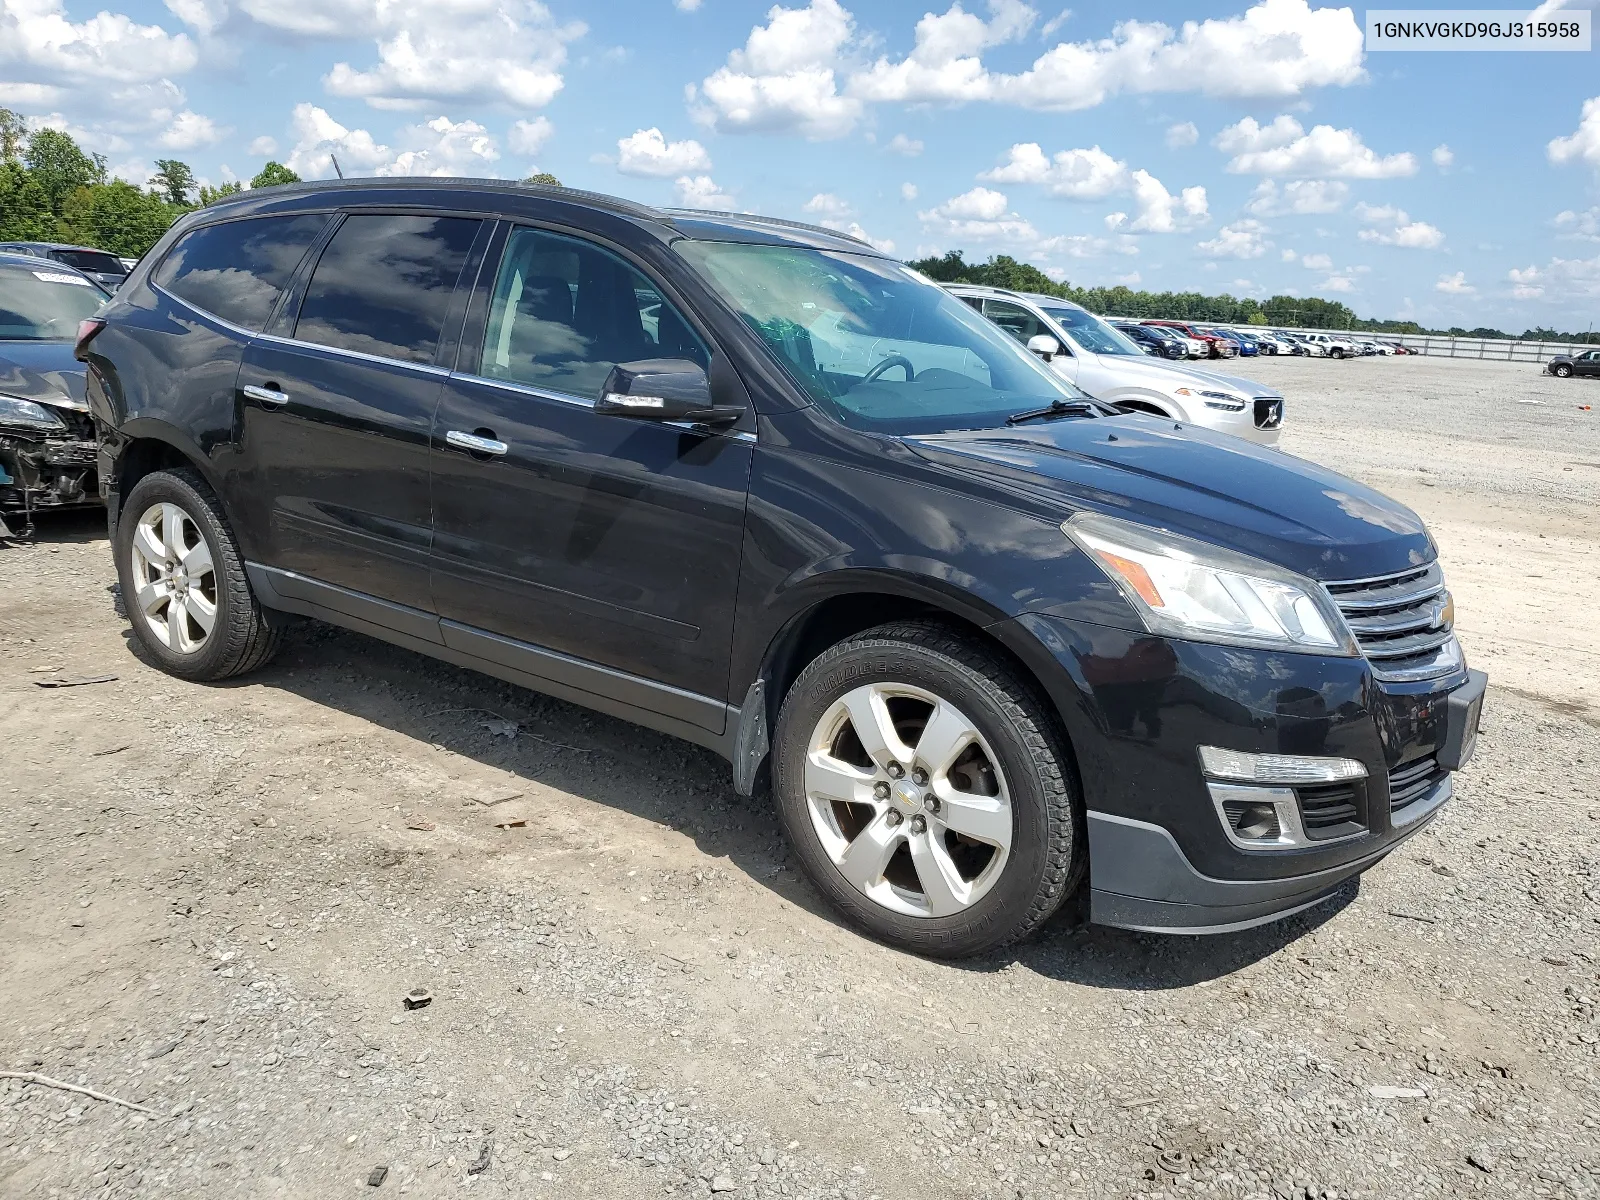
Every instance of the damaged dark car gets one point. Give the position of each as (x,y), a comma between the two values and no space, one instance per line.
(47,440)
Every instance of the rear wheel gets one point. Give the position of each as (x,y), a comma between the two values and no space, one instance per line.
(183,581)
(926,792)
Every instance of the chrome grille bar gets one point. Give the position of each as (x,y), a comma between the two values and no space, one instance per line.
(1401,622)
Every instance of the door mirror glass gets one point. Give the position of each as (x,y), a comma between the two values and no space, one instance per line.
(1045,346)
(663,389)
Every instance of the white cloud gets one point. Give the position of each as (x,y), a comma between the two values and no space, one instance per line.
(1443,156)
(319,137)
(1079,174)
(901,144)
(943,64)
(444,147)
(1397,228)
(1289,256)
(826,204)
(1317,262)
(1585,225)
(1242,239)
(264,146)
(1562,279)
(206,16)
(527,138)
(39,44)
(648,153)
(486,51)
(1276,48)
(1583,143)
(1298,197)
(1456,285)
(783,80)
(1182,134)
(189,131)
(908,191)
(686,5)
(983,215)
(701,191)
(1284,148)
(1093,174)
(1338,283)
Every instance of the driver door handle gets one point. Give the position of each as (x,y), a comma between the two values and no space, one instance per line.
(474,443)
(270,397)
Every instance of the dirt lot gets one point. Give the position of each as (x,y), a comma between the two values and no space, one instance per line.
(213,899)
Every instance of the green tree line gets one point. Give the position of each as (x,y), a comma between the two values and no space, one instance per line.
(1295,312)
(51,191)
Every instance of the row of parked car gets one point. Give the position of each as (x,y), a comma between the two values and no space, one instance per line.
(1182,339)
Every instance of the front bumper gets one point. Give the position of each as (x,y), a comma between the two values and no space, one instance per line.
(1137,708)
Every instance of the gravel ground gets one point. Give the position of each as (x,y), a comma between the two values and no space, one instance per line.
(213,901)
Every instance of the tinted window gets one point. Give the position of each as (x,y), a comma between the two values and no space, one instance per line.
(238,269)
(1015,320)
(90,260)
(384,284)
(40,303)
(564,312)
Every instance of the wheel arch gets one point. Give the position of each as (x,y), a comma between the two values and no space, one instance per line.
(848,607)
(145,446)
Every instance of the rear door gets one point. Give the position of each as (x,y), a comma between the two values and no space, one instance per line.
(605,539)
(338,403)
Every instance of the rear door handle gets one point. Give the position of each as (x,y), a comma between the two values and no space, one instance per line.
(474,443)
(271,397)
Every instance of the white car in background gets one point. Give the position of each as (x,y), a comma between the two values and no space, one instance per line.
(1332,344)
(1100,360)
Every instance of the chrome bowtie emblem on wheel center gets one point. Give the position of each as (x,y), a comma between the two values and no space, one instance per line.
(907,795)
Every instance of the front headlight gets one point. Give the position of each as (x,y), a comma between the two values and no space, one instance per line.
(14,410)
(1185,588)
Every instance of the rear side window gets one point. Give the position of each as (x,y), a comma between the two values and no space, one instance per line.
(90,260)
(384,284)
(238,269)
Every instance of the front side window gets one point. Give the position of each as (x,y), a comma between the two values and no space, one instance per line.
(40,304)
(238,269)
(1015,320)
(874,344)
(564,312)
(383,285)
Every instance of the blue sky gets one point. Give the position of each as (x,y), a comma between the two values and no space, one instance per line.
(1251,148)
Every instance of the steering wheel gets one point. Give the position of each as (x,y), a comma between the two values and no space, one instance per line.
(894,360)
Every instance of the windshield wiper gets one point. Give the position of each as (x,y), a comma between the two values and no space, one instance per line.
(1056,408)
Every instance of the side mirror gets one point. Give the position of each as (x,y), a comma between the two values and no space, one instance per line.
(1045,346)
(663,389)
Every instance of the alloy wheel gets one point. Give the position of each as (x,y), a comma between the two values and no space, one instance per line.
(908,800)
(175,579)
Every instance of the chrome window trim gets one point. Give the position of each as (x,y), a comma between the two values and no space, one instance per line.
(360,355)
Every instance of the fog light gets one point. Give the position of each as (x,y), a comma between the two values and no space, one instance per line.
(1277,768)
(1254,822)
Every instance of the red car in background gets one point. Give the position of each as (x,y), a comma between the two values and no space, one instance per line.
(1217,346)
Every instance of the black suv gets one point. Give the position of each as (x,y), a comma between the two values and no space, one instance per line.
(756,485)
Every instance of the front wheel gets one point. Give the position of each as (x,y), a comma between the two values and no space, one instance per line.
(1561,371)
(926,792)
(183,581)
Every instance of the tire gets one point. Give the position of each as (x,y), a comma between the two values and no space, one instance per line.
(1336,352)
(997,895)
(174,514)
(1561,372)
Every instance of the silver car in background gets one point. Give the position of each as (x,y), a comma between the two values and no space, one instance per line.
(1100,360)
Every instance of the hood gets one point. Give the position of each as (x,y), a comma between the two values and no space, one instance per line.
(1217,488)
(44,372)
(1166,375)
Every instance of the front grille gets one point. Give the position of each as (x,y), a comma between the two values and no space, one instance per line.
(1403,622)
(1269,412)
(1411,781)
(1327,809)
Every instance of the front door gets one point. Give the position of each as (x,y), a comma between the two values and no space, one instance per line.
(1022,325)
(611,540)
(1587,364)
(336,417)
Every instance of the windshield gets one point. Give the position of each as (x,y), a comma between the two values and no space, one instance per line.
(1091,333)
(44,302)
(873,343)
